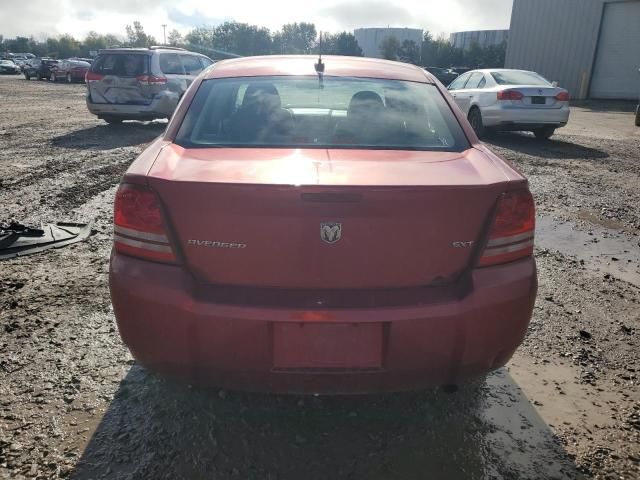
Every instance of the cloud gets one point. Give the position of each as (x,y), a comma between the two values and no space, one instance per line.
(195,19)
(368,13)
(35,17)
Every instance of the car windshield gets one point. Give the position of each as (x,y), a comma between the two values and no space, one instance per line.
(336,112)
(516,77)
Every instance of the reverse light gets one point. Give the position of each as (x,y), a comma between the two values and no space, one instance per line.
(511,234)
(562,97)
(139,226)
(510,95)
(151,79)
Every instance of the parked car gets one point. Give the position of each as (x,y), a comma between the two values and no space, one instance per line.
(516,100)
(460,70)
(9,67)
(69,71)
(337,233)
(83,59)
(445,75)
(140,83)
(38,68)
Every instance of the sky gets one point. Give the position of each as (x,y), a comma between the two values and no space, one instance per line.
(42,18)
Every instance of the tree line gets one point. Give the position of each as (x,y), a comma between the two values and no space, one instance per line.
(242,39)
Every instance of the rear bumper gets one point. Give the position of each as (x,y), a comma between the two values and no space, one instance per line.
(169,330)
(514,117)
(162,106)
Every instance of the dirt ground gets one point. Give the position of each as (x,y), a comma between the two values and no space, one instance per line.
(73,403)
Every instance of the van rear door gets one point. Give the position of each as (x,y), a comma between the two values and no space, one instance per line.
(121,78)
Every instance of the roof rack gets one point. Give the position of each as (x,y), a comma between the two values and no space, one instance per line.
(165,47)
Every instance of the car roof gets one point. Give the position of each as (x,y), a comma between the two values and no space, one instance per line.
(275,65)
(147,51)
(489,70)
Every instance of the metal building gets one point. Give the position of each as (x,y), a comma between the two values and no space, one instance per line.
(591,47)
(483,38)
(370,39)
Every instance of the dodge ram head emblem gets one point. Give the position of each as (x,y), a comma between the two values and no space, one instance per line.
(330,232)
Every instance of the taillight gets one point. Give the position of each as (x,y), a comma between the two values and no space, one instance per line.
(151,79)
(139,227)
(510,95)
(92,76)
(563,97)
(512,231)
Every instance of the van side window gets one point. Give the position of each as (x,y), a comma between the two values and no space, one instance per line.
(191,64)
(170,64)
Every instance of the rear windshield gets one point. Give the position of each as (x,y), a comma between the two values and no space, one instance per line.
(519,78)
(121,64)
(337,112)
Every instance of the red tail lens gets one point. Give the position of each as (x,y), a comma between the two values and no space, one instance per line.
(151,79)
(139,227)
(510,95)
(92,76)
(512,232)
(563,97)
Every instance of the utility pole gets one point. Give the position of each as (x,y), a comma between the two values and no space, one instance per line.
(164,33)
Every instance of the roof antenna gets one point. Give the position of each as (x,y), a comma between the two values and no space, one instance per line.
(320,66)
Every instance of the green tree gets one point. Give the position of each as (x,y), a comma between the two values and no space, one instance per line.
(200,39)
(295,38)
(343,43)
(136,36)
(409,52)
(242,39)
(390,48)
(175,38)
(93,42)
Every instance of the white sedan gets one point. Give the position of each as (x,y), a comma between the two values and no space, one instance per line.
(516,100)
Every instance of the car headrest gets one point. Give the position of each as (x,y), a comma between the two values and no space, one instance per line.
(365,102)
(263,94)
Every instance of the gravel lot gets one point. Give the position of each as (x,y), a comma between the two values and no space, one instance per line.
(73,403)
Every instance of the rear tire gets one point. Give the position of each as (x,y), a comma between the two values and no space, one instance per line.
(113,120)
(544,133)
(27,76)
(638,116)
(475,119)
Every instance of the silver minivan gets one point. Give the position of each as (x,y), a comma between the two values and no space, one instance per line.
(140,83)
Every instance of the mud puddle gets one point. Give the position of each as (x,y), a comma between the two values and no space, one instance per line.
(598,249)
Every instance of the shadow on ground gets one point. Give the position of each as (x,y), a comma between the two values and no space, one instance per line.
(550,149)
(159,429)
(107,137)
(610,106)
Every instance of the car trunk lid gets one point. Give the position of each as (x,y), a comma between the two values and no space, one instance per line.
(326,219)
(538,97)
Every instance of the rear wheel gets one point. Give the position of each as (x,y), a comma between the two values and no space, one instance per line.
(113,120)
(544,133)
(638,116)
(475,119)
(27,76)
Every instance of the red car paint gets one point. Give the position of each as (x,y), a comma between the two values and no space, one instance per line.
(232,286)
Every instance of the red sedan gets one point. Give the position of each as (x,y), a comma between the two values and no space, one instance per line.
(69,71)
(330,227)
